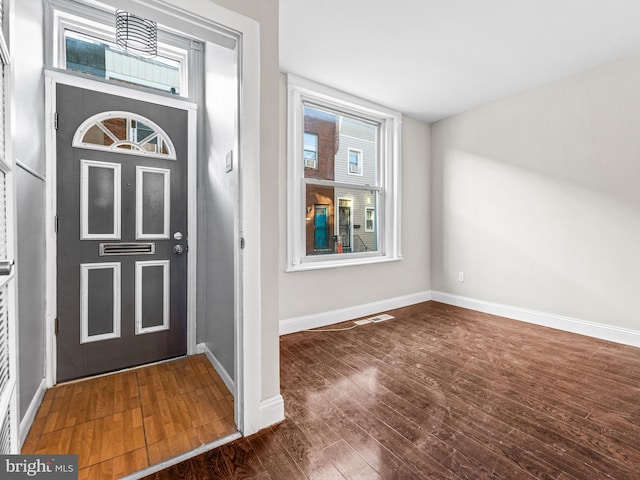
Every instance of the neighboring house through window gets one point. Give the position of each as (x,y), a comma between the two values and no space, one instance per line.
(343,206)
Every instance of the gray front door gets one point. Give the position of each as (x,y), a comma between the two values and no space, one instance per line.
(122,232)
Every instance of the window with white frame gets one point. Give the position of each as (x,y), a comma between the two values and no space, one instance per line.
(344,210)
(84,43)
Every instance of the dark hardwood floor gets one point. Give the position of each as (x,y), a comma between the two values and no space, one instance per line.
(441,392)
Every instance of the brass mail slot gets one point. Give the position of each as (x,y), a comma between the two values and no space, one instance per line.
(137,248)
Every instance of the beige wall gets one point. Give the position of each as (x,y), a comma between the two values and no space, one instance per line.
(315,292)
(536,199)
(28,134)
(265,12)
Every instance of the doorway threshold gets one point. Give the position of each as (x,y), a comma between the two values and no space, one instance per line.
(183,457)
(125,424)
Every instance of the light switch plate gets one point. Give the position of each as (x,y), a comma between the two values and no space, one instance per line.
(229,161)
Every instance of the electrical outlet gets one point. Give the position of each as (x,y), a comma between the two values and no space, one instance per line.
(461,276)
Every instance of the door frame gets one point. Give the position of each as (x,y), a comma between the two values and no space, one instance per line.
(53,78)
(256,408)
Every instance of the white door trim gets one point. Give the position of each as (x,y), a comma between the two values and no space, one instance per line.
(53,78)
(209,19)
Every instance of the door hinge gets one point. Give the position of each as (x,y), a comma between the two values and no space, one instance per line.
(242,243)
(55,223)
(57,326)
(55,120)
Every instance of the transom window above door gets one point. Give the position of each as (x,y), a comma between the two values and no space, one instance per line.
(84,42)
(124,132)
(97,57)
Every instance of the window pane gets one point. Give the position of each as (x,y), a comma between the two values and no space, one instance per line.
(140,131)
(324,127)
(96,136)
(98,58)
(152,145)
(85,55)
(117,126)
(346,147)
(352,220)
(319,220)
(340,220)
(357,156)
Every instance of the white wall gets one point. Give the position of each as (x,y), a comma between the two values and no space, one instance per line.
(219,189)
(536,199)
(266,13)
(315,292)
(28,137)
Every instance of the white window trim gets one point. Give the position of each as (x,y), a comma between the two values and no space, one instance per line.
(97,21)
(299,91)
(359,154)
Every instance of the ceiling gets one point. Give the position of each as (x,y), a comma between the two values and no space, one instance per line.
(432,59)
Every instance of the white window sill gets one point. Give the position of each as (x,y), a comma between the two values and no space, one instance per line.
(342,262)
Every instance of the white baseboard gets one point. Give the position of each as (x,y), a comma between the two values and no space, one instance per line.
(226,378)
(559,322)
(291,325)
(271,411)
(32,411)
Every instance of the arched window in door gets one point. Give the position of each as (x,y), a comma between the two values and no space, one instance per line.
(124,132)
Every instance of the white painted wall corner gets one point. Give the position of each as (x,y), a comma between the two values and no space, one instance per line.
(271,411)
(224,375)
(32,411)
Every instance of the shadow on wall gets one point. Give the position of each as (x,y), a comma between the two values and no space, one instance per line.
(528,239)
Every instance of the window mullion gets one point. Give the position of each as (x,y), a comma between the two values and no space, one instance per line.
(330,183)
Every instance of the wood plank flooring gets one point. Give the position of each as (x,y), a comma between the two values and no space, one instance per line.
(441,392)
(120,423)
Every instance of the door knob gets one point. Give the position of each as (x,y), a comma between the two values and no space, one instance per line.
(179,249)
